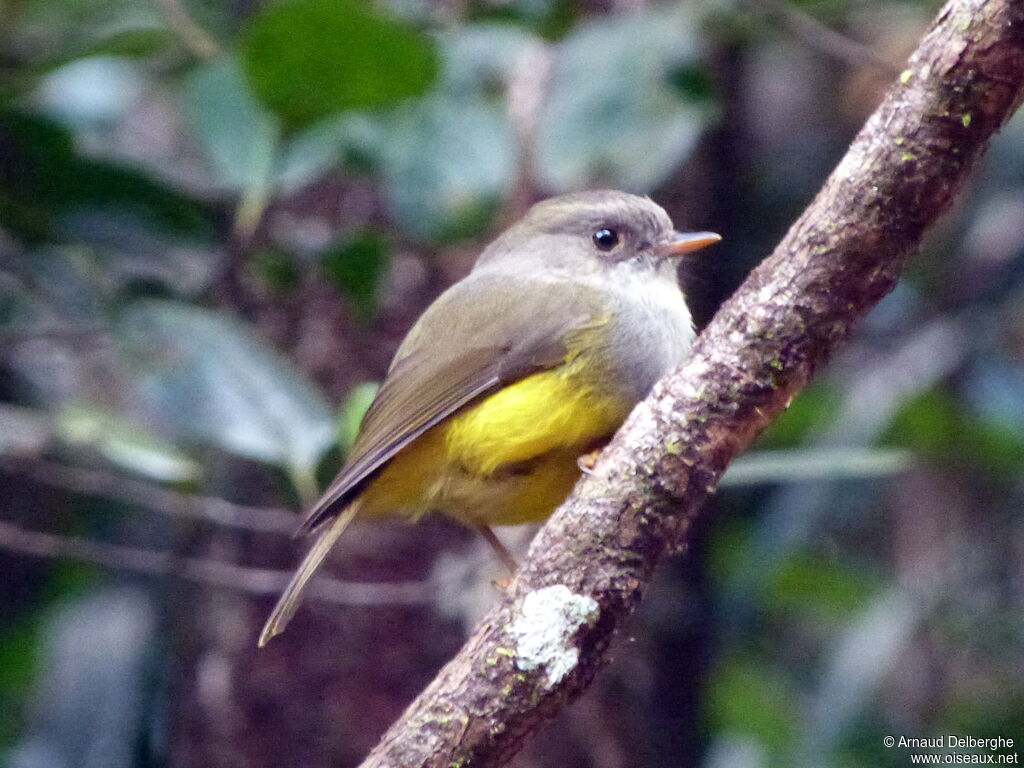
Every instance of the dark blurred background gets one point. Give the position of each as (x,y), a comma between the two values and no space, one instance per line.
(218,219)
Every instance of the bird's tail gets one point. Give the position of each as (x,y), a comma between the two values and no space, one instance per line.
(292,596)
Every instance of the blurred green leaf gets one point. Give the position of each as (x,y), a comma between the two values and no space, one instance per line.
(357,140)
(692,81)
(729,549)
(95,655)
(819,589)
(43,180)
(307,59)
(208,377)
(18,668)
(75,287)
(278,270)
(132,42)
(935,425)
(447,166)
(550,19)
(68,280)
(126,444)
(356,267)
(988,712)
(928,423)
(312,152)
(242,139)
(479,59)
(450,158)
(83,20)
(748,697)
(43,35)
(237,135)
(91,94)
(614,117)
(807,413)
(352,412)
(23,626)
(19,306)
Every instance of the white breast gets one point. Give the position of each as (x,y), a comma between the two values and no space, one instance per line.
(653,329)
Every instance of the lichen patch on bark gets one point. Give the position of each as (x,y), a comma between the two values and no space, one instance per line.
(545,630)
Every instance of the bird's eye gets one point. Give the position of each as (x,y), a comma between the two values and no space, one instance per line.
(606,239)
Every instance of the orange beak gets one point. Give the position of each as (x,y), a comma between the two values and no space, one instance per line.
(681,243)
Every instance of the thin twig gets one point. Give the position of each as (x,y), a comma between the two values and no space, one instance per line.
(65,334)
(111,485)
(254,581)
(822,38)
(193,37)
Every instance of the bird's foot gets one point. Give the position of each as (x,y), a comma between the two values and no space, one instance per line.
(587,461)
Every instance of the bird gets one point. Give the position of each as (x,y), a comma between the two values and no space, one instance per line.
(513,378)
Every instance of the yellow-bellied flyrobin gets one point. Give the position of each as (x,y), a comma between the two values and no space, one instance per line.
(531,361)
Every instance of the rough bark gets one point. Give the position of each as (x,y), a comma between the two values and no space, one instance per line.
(586,570)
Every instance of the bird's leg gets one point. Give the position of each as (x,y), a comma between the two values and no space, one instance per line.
(500,549)
(587,461)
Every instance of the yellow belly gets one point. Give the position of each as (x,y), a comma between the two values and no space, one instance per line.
(509,459)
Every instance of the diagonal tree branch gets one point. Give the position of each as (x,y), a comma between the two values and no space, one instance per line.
(587,568)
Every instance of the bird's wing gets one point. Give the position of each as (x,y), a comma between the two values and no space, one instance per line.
(507,336)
